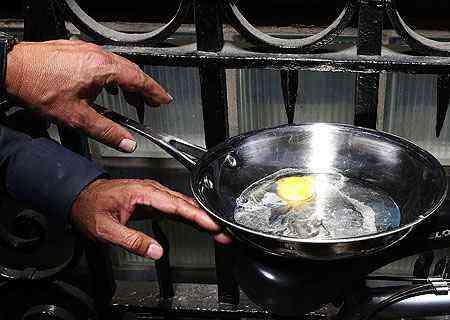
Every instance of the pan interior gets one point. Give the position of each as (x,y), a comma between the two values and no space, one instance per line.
(299,204)
(393,167)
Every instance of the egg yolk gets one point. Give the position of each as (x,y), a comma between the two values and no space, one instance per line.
(295,190)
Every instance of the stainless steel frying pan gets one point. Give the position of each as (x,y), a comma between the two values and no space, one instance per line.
(410,175)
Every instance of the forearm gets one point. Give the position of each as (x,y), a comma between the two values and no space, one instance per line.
(43,174)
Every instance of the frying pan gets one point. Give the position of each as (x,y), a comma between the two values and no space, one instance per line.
(411,176)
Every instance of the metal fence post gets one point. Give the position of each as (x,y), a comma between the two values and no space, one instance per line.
(370,26)
(208,24)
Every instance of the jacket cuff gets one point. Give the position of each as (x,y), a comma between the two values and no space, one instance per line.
(49,177)
(3,60)
(6,43)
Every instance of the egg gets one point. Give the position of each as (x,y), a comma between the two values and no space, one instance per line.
(295,190)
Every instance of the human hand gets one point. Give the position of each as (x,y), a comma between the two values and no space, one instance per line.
(104,207)
(61,78)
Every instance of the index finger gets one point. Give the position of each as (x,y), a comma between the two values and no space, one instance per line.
(171,204)
(131,78)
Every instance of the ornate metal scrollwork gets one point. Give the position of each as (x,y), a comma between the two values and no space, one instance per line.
(104,34)
(27,242)
(45,300)
(415,41)
(29,227)
(306,44)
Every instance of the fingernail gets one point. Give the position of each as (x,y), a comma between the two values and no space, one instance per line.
(223,238)
(154,251)
(127,145)
(171,98)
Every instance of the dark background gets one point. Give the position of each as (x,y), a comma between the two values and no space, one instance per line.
(426,14)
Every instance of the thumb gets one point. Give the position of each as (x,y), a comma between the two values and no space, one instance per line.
(132,240)
(106,131)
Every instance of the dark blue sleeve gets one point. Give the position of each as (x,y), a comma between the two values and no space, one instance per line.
(43,174)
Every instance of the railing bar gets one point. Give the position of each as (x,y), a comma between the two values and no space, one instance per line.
(370,30)
(209,31)
(163,270)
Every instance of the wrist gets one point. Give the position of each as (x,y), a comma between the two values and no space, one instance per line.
(88,189)
(92,185)
(83,197)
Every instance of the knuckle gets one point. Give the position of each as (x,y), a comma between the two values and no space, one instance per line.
(196,215)
(155,183)
(107,133)
(147,188)
(146,82)
(134,242)
(179,203)
(139,194)
(76,120)
(173,203)
(97,57)
(101,232)
(134,66)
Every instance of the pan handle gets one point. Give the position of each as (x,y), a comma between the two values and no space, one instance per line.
(186,153)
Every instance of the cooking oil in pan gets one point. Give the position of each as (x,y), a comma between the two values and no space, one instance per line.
(322,206)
